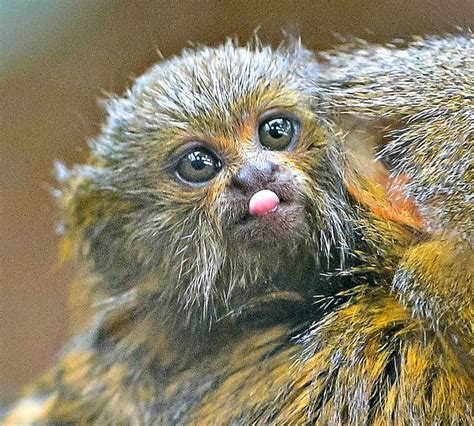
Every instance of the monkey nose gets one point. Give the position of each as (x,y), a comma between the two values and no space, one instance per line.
(263,202)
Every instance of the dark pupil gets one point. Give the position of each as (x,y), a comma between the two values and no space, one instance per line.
(199,165)
(278,128)
(199,160)
(276,133)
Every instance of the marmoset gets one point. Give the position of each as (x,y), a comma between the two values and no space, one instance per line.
(275,236)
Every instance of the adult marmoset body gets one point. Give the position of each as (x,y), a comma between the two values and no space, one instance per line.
(275,236)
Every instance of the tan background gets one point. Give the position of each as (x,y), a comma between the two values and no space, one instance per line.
(58,57)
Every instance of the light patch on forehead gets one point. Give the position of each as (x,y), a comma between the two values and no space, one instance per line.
(214,87)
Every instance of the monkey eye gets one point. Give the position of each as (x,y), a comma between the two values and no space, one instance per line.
(277,133)
(198,165)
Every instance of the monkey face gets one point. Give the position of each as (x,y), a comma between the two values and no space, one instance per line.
(247,181)
(219,172)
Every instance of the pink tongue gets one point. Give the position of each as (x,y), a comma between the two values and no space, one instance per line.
(263,202)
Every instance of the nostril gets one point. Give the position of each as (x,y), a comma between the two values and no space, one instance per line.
(244,178)
(275,168)
(255,176)
(238,181)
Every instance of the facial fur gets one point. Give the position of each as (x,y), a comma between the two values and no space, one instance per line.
(196,245)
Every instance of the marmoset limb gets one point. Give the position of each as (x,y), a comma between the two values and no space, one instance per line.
(276,236)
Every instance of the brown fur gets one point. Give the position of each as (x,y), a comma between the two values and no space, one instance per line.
(359,308)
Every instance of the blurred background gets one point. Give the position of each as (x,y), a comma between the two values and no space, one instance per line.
(57,58)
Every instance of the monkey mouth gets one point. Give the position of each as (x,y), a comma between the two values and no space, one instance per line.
(278,212)
(284,221)
(266,217)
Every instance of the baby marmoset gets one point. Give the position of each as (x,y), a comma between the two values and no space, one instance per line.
(250,260)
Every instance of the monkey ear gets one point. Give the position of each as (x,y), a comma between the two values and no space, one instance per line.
(94,227)
(370,179)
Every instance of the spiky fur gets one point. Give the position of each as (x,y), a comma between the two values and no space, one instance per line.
(347,323)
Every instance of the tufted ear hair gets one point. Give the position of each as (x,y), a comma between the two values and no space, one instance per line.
(93,228)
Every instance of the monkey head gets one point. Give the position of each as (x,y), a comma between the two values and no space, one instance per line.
(214,175)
